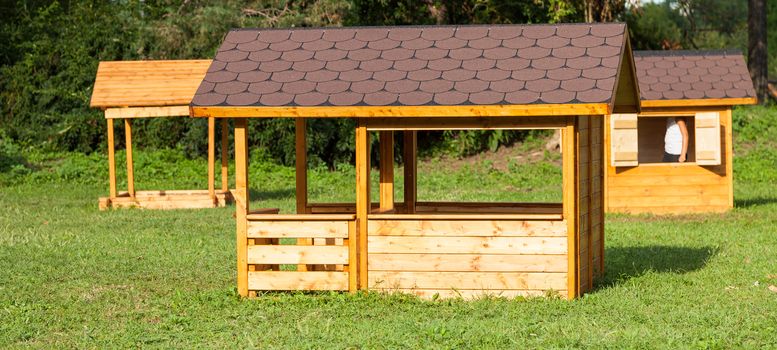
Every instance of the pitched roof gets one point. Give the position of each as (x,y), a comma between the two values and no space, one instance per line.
(693,75)
(416,66)
(147,83)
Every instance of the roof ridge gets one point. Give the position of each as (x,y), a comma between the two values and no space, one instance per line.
(435,26)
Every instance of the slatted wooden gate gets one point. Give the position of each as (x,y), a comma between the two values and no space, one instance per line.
(301,252)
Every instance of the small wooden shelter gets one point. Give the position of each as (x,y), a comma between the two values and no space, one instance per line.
(151,89)
(404,79)
(702,87)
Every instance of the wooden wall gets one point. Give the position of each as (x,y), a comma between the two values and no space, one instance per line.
(468,257)
(676,188)
(590,177)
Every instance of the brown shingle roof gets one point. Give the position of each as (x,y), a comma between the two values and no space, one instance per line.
(683,75)
(413,66)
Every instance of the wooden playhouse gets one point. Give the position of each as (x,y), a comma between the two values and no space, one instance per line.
(403,79)
(702,87)
(152,89)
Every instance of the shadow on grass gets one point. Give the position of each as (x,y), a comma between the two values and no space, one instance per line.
(754,202)
(624,263)
(260,195)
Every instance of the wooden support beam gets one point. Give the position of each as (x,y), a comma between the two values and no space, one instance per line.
(411,163)
(111,160)
(225,155)
(241,203)
(362,199)
(569,180)
(386,199)
(212,158)
(130,172)
(146,112)
(460,111)
(590,194)
(301,175)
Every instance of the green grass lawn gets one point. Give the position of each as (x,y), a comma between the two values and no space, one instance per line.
(71,276)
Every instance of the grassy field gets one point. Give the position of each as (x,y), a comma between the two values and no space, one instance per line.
(71,276)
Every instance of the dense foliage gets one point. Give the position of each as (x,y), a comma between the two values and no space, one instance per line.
(50,50)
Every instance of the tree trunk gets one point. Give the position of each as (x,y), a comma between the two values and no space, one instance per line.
(756,48)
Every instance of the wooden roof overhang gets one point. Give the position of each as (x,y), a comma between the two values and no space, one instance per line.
(550,70)
(142,89)
(683,79)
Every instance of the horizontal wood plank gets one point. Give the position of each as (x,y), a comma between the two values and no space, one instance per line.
(475,294)
(526,216)
(297,229)
(699,102)
(292,254)
(467,245)
(467,262)
(711,200)
(468,280)
(294,280)
(482,228)
(146,112)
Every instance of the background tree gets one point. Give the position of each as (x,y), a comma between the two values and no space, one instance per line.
(756,48)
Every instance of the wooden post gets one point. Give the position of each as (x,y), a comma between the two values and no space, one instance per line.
(301,172)
(569,185)
(411,163)
(386,171)
(212,159)
(362,199)
(728,153)
(590,194)
(130,173)
(111,160)
(241,203)
(224,155)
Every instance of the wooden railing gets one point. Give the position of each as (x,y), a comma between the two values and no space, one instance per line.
(323,255)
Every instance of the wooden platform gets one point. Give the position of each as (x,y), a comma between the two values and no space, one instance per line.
(177,199)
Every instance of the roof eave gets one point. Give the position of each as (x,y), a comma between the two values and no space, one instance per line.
(699,102)
(464,111)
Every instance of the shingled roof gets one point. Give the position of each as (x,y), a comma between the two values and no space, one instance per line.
(416,66)
(694,75)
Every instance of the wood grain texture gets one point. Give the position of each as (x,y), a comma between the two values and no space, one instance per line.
(404,111)
(474,294)
(212,158)
(467,245)
(297,254)
(111,160)
(624,139)
(699,102)
(225,155)
(292,280)
(468,280)
(167,200)
(468,262)
(410,157)
(570,209)
(468,228)
(146,112)
(241,195)
(363,202)
(297,229)
(128,150)
(147,83)
(386,187)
